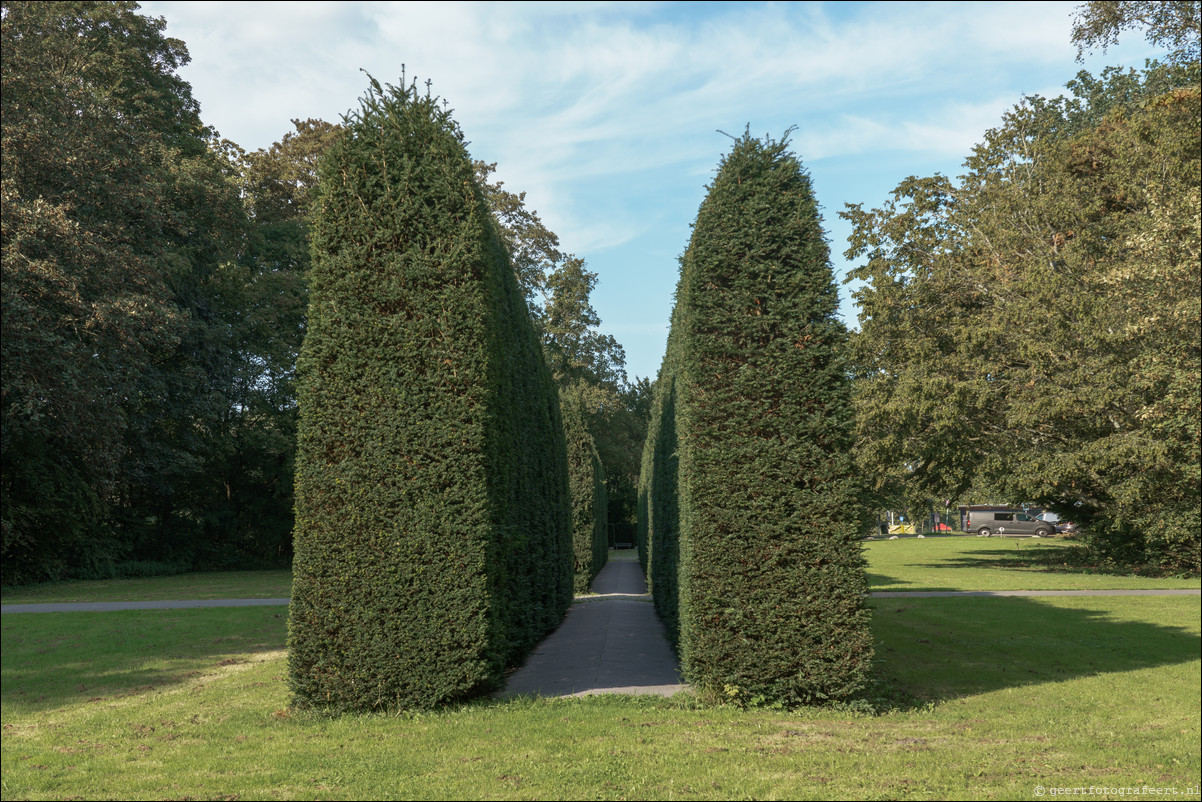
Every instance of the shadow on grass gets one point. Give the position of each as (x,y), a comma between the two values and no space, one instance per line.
(944,648)
(53,659)
(876,581)
(1071,558)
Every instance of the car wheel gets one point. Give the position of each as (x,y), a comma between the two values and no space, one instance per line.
(1042,532)
(984,531)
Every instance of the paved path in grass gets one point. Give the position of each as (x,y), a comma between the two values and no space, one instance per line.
(608,643)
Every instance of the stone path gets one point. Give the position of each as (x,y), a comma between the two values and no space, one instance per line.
(611,642)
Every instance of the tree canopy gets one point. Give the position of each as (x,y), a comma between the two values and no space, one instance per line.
(120,216)
(1032,330)
(1170,24)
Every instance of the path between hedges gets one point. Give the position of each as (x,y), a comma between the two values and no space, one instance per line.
(611,642)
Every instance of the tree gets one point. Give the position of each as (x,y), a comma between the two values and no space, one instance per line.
(1034,328)
(269,277)
(558,288)
(433,533)
(533,248)
(770,576)
(117,218)
(1173,25)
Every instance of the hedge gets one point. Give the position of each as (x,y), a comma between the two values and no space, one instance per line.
(433,541)
(751,499)
(586,475)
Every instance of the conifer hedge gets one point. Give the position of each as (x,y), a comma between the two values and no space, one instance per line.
(589,498)
(659,514)
(433,537)
(755,421)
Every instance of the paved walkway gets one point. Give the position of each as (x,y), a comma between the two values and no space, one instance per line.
(609,643)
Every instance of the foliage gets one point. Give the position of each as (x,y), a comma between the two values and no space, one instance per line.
(590,542)
(770,576)
(557,287)
(271,274)
(118,217)
(658,535)
(433,534)
(1169,24)
(1034,328)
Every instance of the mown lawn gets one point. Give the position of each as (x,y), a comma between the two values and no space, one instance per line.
(211,585)
(909,563)
(996,563)
(982,698)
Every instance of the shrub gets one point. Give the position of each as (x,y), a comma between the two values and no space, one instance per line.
(589,503)
(432,543)
(755,394)
(659,514)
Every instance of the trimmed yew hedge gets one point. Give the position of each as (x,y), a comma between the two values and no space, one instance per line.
(589,497)
(754,552)
(433,536)
(659,513)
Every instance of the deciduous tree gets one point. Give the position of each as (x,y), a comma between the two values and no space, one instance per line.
(1034,327)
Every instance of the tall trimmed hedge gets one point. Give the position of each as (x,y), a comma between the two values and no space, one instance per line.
(433,536)
(590,503)
(659,509)
(755,421)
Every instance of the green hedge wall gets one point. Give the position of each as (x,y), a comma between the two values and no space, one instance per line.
(659,514)
(755,394)
(589,499)
(433,538)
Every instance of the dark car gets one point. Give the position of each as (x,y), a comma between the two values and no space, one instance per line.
(1007,522)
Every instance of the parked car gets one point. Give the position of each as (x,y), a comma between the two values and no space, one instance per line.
(1006,522)
(1061,527)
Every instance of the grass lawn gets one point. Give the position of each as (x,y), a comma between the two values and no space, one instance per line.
(932,563)
(992,698)
(993,563)
(214,585)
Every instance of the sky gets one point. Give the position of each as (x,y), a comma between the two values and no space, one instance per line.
(612,117)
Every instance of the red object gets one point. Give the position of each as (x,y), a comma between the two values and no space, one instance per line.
(942,528)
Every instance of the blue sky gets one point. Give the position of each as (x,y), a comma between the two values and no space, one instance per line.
(608,114)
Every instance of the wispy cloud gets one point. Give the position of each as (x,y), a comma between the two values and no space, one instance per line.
(605,113)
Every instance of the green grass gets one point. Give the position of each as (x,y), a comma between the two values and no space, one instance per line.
(933,563)
(975,698)
(995,563)
(213,585)
(994,697)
